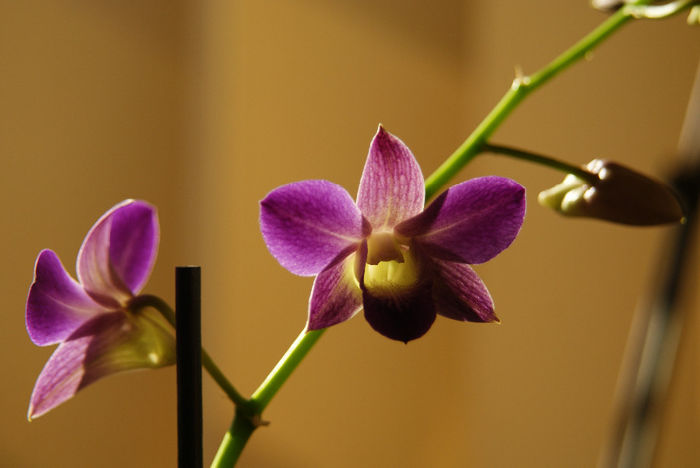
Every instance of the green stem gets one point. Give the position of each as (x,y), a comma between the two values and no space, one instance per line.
(517,153)
(248,416)
(521,88)
(167,312)
(234,441)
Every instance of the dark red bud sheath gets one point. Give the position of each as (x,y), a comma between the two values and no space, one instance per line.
(620,195)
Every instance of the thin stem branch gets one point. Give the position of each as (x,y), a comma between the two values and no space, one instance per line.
(517,153)
(284,368)
(521,88)
(208,363)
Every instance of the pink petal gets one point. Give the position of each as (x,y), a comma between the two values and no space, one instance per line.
(56,304)
(310,225)
(335,296)
(118,252)
(107,344)
(392,188)
(460,294)
(471,222)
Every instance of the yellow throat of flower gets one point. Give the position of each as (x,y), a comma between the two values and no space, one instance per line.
(392,268)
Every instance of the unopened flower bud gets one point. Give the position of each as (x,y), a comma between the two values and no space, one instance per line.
(618,194)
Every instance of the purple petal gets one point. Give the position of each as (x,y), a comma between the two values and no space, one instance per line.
(402,317)
(118,252)
(471,222)
(56,304)
(61,377)
(392,188)
(107,344)
(335,296)
(311,224)
(133,243)
(460,294)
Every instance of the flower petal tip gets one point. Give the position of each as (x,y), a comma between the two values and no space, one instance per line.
(391,187)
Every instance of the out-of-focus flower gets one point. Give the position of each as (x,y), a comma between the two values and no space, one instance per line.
(651,10)
(619,194)
(97,332)
(384,253)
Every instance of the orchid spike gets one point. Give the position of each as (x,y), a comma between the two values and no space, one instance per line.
(383,253)
(98,334)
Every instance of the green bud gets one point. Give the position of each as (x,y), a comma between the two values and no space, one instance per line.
(619,194)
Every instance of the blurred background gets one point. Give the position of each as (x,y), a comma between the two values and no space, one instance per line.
(203,107)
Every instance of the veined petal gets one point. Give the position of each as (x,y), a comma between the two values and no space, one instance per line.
(94,265)
(61,377)
(133,243)
(335,296)
(107,344)
(471,222)
(56,305)
(392,187)
(460,294)
(403,317)
(311,224)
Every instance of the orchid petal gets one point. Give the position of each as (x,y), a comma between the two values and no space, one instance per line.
(392,188)
(133,243)
(335,296)
(106,344)
(310,225)
(460,294)
(96,271)
(56,305)
(471,222)
(403,317)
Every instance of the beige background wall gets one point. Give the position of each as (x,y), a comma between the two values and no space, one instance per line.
(203,107)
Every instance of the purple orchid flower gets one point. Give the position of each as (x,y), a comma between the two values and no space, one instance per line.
(97,332)
(384,253)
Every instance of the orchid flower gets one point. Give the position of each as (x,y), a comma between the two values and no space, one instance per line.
(91,319)
(383,253)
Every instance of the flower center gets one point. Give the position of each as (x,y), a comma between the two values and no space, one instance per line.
(391,268)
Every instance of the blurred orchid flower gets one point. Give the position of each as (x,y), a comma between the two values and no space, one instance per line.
(97,332)
(384,253)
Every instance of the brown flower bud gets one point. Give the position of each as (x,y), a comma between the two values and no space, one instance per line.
(619,194)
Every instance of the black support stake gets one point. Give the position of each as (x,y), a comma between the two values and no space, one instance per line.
(189,365)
